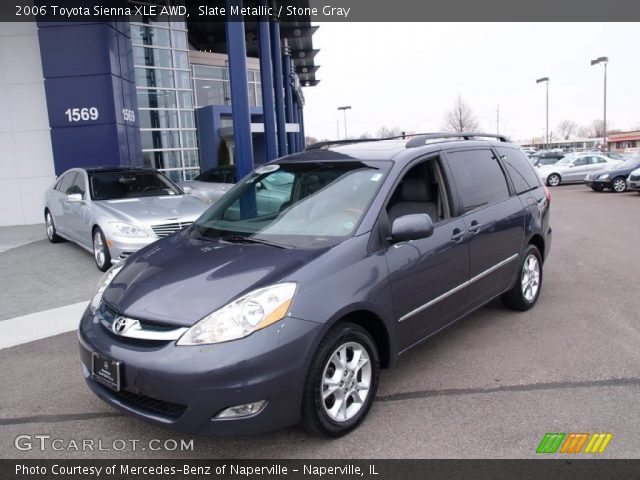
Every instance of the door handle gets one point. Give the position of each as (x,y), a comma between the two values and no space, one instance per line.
(458,235)
(475,227)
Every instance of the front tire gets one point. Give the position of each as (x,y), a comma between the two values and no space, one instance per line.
(342,381)
(618,185)
(52,234)
(553,180)
(101,251)
(526,291)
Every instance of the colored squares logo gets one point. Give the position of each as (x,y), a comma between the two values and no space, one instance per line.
(574,442)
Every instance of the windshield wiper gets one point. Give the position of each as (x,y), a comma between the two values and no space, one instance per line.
(242,239)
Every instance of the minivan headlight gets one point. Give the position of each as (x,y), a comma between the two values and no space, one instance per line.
(104,282)
(242,317)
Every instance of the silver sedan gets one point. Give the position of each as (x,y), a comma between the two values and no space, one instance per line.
(574,168)
(113,212)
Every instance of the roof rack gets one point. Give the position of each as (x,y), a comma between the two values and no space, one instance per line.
(420,139)
(329,143)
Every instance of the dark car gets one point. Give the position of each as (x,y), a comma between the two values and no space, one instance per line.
(613,178)
(246,323)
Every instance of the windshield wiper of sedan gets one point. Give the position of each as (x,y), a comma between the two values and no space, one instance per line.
(245,239)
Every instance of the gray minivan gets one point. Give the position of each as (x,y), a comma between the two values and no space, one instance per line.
(252,320)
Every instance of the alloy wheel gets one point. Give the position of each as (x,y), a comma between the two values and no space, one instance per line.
(98,249)
(50,228)
(619,185)
(554,180)
(346,381)
(530,282)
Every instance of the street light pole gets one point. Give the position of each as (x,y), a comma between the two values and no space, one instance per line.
(546,137)
(344,110)
(603,60)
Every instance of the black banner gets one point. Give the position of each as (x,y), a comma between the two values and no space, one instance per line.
(319,469)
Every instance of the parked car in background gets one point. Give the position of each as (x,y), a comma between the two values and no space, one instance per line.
(114,211)
(248,323)
(574,168)
(633,182)
(546,158)
(614,177)
(211,184)
(215,182)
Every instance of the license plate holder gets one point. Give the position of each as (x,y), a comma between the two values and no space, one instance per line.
(105,371)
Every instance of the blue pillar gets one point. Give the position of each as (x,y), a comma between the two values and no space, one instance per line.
(266,79)
(301,118)
(286,74)
(276,57)
(236,50)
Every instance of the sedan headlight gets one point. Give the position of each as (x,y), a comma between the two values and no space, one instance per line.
(604,176)
(242,317)
(104,282)
(122,229)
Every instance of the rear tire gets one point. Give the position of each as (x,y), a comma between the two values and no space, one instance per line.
(618,185)
(526,291)
(52,234)
(342,381)
(553,180)
(101,253)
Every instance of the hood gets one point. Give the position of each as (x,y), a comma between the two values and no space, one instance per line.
(179,280)
(153,210)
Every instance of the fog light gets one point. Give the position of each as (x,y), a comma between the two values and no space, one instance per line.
(240,411)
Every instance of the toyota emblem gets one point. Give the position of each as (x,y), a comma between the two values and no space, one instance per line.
(120,325)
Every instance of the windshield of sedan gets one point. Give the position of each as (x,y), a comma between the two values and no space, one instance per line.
(295,205)
(117,185)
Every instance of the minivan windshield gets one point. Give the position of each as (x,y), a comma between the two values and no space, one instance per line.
(295,205)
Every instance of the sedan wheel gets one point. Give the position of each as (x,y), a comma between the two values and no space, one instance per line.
(618,185)
(342,381)
(553,180)
(52,236)
(101,251)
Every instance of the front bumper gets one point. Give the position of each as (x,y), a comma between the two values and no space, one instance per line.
(184,387)
(597,183)
(633,185)
(121,247)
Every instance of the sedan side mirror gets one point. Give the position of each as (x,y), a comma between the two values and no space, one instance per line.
(74,198)
(186,190)
(411,227)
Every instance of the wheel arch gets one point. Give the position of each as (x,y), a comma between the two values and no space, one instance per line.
(537,240)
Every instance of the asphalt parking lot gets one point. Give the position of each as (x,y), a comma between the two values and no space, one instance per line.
(491,386)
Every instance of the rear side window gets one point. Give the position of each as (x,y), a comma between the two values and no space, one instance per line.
(522,175)
(479,178)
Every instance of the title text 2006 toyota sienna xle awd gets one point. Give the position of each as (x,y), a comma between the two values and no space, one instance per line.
(264,314)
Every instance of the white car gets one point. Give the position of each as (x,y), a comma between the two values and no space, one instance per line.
(633,182)
(574,168)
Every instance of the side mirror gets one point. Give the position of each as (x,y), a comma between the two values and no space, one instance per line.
(259,186)
(411,227)
(74,198)
(187,190)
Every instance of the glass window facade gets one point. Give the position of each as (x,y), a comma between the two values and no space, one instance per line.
(212,86)
(165,97)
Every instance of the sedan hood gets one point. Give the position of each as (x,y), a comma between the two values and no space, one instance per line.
(154,210)
(179,280)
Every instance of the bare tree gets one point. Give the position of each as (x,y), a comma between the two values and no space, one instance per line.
(364,136)
(584,132)
(386,132)
(567,128)
(460,118)
(597,128)
(310,140)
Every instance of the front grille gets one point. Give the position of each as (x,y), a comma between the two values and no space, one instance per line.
(164,229)
(168,409)
(634,178)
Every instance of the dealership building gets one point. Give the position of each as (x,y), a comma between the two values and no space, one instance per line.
(177,96)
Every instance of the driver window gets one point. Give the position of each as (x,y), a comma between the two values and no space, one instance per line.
(581,161)
(421,190)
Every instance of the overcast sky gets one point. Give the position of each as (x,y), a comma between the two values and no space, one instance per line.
(408,75)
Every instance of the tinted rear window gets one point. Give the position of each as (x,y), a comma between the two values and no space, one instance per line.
(479,178)
(522,175)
